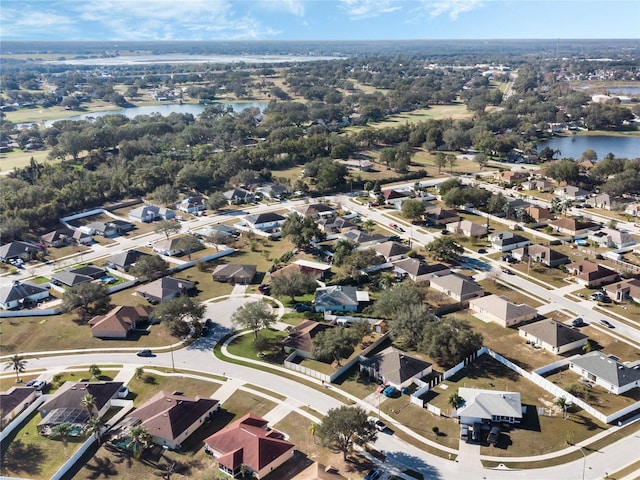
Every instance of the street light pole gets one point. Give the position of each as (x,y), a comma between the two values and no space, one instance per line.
(173,365)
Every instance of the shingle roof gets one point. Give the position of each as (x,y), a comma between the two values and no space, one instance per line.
(60,233)
(121,318)
(302,336)
(18,291)
(264,218)
(235,270)
(506,238)
(336,295)
(14,397)
(553,333)
(358,236)
(486,404)
(70,394)
(314,209)
(165,287)
(573,224)
(391,249)
(414,267)
(167,415)
(456,284)
(395,365)
(607,368)
(15,249)
(540,251)
(126,259)
(70,278)
(501,307)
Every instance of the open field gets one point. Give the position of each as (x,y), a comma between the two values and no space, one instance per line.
(514,296)
(38,115)
(455,111)
(20,159)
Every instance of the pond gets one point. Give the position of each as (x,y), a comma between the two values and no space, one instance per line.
(164,110)
(574,146)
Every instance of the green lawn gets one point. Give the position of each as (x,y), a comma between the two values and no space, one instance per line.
(20,159)
(151,383)
(514,296)
(268,344)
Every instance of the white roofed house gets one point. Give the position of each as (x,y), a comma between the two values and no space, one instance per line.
(571,193)
(486,406)
(506,241)
(541,254)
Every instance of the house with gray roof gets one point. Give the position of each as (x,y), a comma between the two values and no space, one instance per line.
(457,287)
(70,279)
(235,273)
(505,241)
(553,336)
(65,236)
(14,401)
(123,261)
(237,196)
(335,224)
(391,251)
(264,221)
(165,288)
(442,216)
(364,239)
(150,213)
(315,210)
(467,228)
(21,294)
(541,254)
(395,367)
(611,238)
(419,271)
(339,298)
(486,406)
(501,311)
(607,372)
(18,249)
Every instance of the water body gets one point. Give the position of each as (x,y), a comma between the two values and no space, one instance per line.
(625,90)
(187,59)
(164,110)
(574,147)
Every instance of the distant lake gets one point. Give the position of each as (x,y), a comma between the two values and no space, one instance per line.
(179,58)
(164,110)
(625,90)
(574,147)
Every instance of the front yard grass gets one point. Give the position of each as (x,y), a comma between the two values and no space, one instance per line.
(268,343)
(514,296)
(610,345)
(142,389)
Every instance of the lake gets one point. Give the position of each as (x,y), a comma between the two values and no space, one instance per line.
(574,147)
(179,58)
(164,110)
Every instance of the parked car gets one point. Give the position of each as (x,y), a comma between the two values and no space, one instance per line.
(205,331)
(493,435)
(264,289)
(145,353)
(507,271)
(379,424)
(482,250)
(301,307)
(391,392)
(606,323)
(476,433)
(37,384)
(577,322)
(464,432)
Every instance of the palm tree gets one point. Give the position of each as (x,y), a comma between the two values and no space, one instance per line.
(368,225)
(313,430)
(88,402)
(63,432)
(562,403)
(95,426)
(386,279)
(455,400)
(139,373)
(57,378)
(94,371)
(18,364)
(140,439)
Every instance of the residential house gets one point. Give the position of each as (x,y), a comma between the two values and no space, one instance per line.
(395,367)
(169,246)
(110,228)
(315,210)
(607,372)
(119,321)
(192,204)
(457,287)
(632,209)
(318,270)
(602,200)
(442,216)
(301,338)
(419,271)
(586,165)
(249,444)
(273,191)
(571,193)
(537,185)
(611,238)
(509,177)
(264,221)
(467,228)
(235,273)
(18,250)
(335,225)
(590,274)
(222,231)
(165,288)
(358,165)
(500,310)
(540,254)
(318,471)
(505,241)
(629,288)
(14,401)
(364,239)
(69,278)
(553,336)
(237,196)
(573,226)
(123,261)
(21,294)
(65,406)
(122,226)
(395,197)
(66,236)
(539,214)
(171,418)
(489,406)
(391,251)
(150,213)
(339,298)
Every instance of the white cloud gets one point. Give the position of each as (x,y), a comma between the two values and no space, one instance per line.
(453,8)
(22,22)
(295,7)
(359,9)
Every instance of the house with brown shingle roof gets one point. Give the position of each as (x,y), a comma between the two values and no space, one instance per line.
(65,236)
(541,254)
(539,214)
(318,270)
(395,197)
(442,216)
(553,336)
(301,339)
(171,418)
(501,311)
(602,200)
(315,210)
(467,228)
(419,271)
(590,274)
(629,288)
(250,442)
(573,226)
(458,287)
(165,288)
(235,273)
(391,251)
(395,367)
(14,401)
(119,321)
(509,177)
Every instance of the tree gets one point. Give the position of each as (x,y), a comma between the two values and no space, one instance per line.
(342,250)
(216,201)
(188,244)
(455,197)
(88,297)
(88,402)
(590,154)
(139,373)
(293,283)
(177,311)
(449,184)
(445,249)
(62,431)
(452,161)
(140,439)
(482,160)
(409,322)
(301,230)
(455,400)
(413,209)
(496,203)
(440,161)
(449,341)
(167,228)
(562,403)
(255,316)
(334,344)
(165,194)
(396,299)
(563,171)
(368,225)
(94,371)
(95,426)
(344,427)
(149,266)
(18,364)
(360,260)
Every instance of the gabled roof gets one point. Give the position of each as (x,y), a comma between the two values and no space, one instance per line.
(506,238)
(457,284)
(539,213)
(235,270)
(71,393)
(248,441)
(541,251)
(416,267)
(358,236)
(264,218)
(126,259)
(237,194)
(19,291)
(168,415)
(71,279)
(16,249)
(439,213)
(631,286)
(485,404)
(302,266)
(168,244)
(391,194)
(62,233)
(121,318)
(573,224)
(391,249)
(501,307)
(90,270)
(165,286)
(607,368)
(590,271)
(395,365)
(302,336)
(553,333)
(314,209)
(336,222)
(336,295)
(14,397)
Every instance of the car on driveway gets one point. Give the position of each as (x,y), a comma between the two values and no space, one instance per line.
(301,307)
(391,392)
(476,433)
(606,323)
(379,424)
(145,353)
(493,435)
(464,432)
(264,289)
(37,384)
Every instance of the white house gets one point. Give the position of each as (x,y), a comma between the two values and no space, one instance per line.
(485,406)
(553,336)
(501,311)
(506,241)
(606,372)
(264,221)
(149,213)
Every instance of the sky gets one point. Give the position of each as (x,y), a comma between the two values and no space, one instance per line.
(150,20)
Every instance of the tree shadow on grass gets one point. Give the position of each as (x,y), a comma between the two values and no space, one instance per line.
(101,467)
(412,465)
(23,458)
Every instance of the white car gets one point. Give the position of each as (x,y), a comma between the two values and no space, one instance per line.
(37,384)
(379,424)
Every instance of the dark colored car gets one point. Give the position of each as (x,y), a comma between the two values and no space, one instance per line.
(607,324)
(205,331)
(493,435)
(145,353)
(482,250)
(578,322)
(476,433)
(264,289)
(301,307)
